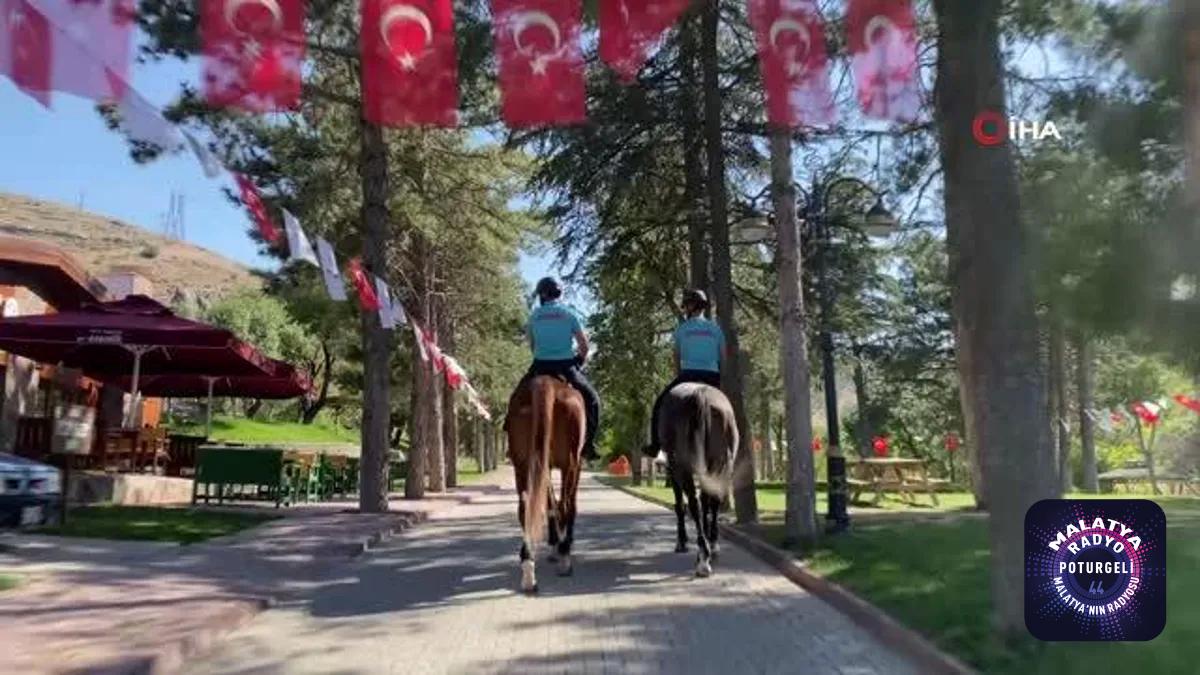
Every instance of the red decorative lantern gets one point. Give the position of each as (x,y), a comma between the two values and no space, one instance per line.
(816,444)
(880,444)
(952,442)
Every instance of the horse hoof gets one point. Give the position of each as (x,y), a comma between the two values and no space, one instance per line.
(703,569)
(681,547)
(565,567)
(552,556)
(715,552)
(528,579)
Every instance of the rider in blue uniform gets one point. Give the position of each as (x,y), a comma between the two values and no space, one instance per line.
(560,347)
(699,352)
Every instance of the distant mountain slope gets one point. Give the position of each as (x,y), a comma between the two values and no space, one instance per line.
(102,244)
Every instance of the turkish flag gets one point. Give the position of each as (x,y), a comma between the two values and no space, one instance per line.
(793,61)
(26,48)
(253,50)
(541,62)
(91,46)
(631,29)
(258,210)
(882,37)
(1188,402)
(409,63)
(366,294)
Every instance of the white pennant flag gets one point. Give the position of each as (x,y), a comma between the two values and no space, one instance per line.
(208,162)
(329,270)
(398,314)
(299,247)
(385,304)
(143,122)
(420,341)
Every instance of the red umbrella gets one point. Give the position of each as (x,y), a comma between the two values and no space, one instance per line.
(287,382)
(135,335)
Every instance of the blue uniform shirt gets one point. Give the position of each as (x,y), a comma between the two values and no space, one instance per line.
(553,327)
(699,342)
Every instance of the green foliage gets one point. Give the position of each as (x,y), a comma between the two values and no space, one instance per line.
(242,430)
(264,322)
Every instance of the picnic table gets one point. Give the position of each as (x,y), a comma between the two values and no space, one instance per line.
(905,475)
(1128,478)
(239,472)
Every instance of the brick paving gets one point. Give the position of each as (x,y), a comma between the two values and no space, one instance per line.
(442,598)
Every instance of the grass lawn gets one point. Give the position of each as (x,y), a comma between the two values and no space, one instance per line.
(468,471)
(241,430)
(145,523)
(7,582)
(933,577)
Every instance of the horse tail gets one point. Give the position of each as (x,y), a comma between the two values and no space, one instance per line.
(538,484)
(710,480)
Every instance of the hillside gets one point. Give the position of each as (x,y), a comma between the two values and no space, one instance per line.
(102,244)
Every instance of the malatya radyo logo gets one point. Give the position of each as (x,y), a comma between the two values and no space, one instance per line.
(1095,569)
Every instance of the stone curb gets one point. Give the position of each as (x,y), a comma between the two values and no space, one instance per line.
(927,656)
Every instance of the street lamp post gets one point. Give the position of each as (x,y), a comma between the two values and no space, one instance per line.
(878,222)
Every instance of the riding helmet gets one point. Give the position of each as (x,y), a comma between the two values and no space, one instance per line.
(694,297)
(548,289)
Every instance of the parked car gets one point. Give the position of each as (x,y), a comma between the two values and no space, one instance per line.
(30,492)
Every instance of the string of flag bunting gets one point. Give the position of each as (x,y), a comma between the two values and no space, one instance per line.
(254,52)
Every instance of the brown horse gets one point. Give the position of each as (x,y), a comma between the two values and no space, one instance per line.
(545,426)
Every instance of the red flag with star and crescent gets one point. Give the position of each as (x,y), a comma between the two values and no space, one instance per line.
(882,38)
(409,63)
(25,48)
(367,298)
(630,31)
(253,51)
(541,62)
(793,61)
(258,210)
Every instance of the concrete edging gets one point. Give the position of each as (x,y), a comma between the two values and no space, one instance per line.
(874,620)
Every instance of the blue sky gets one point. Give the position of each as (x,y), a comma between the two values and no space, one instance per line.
(67,155)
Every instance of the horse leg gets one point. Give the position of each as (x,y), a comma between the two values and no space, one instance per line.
(528,580)
(552,519)
(709,507)
(570,487)
(681,539)
(703,564)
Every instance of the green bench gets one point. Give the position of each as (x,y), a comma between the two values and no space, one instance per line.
(235,474)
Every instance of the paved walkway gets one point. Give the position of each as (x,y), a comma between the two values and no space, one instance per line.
(442,598)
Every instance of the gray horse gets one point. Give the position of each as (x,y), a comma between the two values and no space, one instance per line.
(700,437)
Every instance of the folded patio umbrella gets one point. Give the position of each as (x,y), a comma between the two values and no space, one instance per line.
(135,336)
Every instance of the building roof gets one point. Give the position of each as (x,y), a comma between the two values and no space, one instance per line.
(48,271)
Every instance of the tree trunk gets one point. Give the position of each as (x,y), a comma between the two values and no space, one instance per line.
(993,296)
(693,155)
(435,448)
(450,437)
(376,342)
(764,429)
(1147,448)
(449,415)
(1086,383)
(800,518)
(1186,14)
(745,500)
(310,409)
(1060,403)
(862,427)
